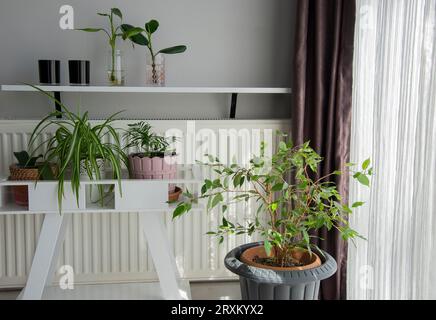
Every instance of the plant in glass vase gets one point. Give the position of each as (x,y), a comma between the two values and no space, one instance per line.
(292,204)
(155,69)
(116,74)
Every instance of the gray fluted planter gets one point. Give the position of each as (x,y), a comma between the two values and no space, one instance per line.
(266,284)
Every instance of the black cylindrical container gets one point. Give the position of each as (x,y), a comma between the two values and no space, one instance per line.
(79,72)
(49,71)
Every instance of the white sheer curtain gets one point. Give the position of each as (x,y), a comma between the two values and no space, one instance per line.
(394,123)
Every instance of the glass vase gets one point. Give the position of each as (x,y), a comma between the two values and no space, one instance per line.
(115,68)
(155,70)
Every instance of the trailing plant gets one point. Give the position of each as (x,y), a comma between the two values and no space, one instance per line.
(141,136)
(76,145)
(144,38)
(289,209)
(113,33)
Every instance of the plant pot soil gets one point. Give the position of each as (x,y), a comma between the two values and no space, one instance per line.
(253,256)
(263,283)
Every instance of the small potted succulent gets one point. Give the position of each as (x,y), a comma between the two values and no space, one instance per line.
(286,264)
(153,158)
(27,168)
(81,150)
(155,61)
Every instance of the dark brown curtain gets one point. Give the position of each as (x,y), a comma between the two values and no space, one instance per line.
(322,90)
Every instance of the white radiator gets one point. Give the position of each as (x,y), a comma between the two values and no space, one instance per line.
(109,247)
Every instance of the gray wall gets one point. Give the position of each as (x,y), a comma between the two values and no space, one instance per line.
(230,43)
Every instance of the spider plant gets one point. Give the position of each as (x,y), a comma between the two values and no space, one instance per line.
(77,145)
(141,136)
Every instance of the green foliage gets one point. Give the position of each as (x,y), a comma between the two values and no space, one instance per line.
(113,33)
(143,37)
(77,145)
(289,209)
(25,160)
(141,136)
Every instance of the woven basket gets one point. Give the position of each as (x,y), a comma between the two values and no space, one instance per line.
(17,173)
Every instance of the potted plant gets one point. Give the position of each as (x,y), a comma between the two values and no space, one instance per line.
(116,74)
(80,149)
(286,264)
(155,65)
(154,159)
(27,168)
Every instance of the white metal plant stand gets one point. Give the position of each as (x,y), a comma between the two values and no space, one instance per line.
(148,197)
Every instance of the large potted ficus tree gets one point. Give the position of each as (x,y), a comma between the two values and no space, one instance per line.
(286,264)
(82,150)
(153,158)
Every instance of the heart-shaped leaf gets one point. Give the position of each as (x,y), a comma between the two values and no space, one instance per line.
(151,26)
(117,12)
(173,50)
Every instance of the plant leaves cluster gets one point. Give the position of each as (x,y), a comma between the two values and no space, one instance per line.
(141,136)
(76,145)
(291,203)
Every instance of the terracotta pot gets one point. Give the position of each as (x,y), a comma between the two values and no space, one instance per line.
(153,168)
(174,196)
(309,261)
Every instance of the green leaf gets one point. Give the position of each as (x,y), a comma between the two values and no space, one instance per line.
(91,29)
(274,206)
(357,204)
(103,14)
(363,179)
(180,209)
(337,172)
(216,199)
(224,208)
(277,187)
(132,32)
(151,26)
(366,163)
(267,245)
(138,39)
(305,236)
(117,12)
(283,146)
(225,222)
(173,50)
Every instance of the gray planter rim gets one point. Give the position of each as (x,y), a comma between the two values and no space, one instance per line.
(324,271)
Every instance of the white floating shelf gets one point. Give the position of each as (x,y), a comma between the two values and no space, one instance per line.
(149,89)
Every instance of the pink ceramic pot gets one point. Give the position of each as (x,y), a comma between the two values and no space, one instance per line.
(153,168)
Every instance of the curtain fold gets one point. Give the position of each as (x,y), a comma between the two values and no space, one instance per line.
(321,110)
(394,122)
